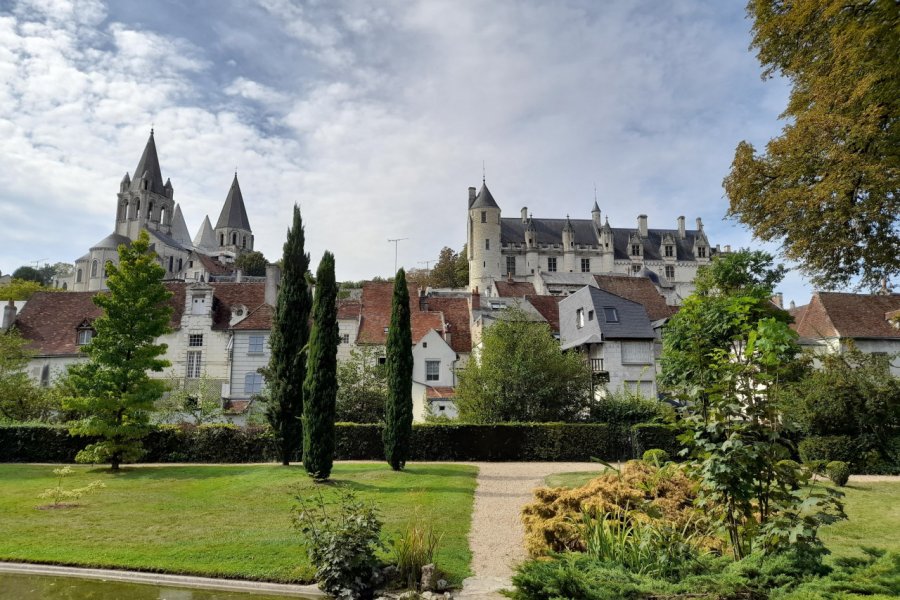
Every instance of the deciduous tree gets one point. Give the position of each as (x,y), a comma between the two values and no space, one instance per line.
(290,335)
(399,364)
(320,387)
(20,398)
(828,188)
(362,387)
(113,390)
(26,273)
(252,263)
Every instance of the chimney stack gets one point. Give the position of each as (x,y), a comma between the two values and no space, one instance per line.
(476,299)
(642,225)
(9,316)
(680,228)
(793,305)
(471,196)
(778,300)
(699,224)
(273,282)
(524,214)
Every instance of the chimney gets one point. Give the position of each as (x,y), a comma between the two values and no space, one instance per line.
(680,228)
(273,282)
(642,225)
(793,305)
(778,300)
(699,224)
(476,299)
(524,214)
(727,247)
(9,316)
(471,196)
(448,336)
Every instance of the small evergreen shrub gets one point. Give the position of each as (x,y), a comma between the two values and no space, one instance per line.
(838,472)
(656,456)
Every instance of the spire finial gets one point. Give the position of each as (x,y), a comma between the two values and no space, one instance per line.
(483,174)
(151,129)
(595,192)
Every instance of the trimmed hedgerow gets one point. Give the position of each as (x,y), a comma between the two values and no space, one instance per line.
(437,442)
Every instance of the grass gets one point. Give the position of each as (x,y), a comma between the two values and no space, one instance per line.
(219,521)
(873,511)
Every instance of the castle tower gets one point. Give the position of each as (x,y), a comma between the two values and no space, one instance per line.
(233,231)
(568,242)
(483,240)
(145,202)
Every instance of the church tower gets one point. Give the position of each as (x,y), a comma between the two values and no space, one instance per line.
(483,240)
(145,202)
(233,228)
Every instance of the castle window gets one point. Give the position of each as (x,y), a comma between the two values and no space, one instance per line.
(551,264)
(244,242)
(221,239)
(670,272)
(635,268)
(192,370)
(635,250)
(149,210)
(487,244)
(95,265)
(234,239)
(701,251)
(171,263)
(510,265)
(585,265)
(179,264)
(78,276)
(195,340)
(484,216)
(670,251)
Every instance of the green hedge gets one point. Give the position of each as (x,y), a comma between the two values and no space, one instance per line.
(861,453)
(434,442)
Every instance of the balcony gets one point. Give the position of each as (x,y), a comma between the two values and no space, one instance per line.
(599,375)
(596,365)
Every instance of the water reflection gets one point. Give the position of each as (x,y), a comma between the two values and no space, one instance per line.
(49,587)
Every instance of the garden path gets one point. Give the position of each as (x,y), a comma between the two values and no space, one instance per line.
(497,537)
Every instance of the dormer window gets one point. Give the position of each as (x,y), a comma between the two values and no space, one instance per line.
(670,251)
(635,249)
(84,333)
(701,251)
(579,318)
(610,314)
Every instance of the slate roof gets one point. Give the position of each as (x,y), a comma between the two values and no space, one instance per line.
(49,320)
(112,241)
(549,231)
(548,306)
(376,314)
(233,214)
(167,240)
(456,315)
(836,314)
(179,228)
(206,237)
(149,164)
(513,289)
(631,320)
(637,289)
(484,199)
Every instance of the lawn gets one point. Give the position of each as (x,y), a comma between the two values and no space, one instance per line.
(873,511)
(219,521)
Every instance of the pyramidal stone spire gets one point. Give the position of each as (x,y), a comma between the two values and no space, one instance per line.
(149,166)
(206,237)
(180,231)
(234,215)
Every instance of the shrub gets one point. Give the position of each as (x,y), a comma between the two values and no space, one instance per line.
(789,471)
(414,549)
(627,407)
(656,456)
(341,544)
(667,493)
(828,448)
(649,436)
(838,472)
(58,494)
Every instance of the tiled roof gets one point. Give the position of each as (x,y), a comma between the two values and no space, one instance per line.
(348,309)
(237,407)
(376,314)
(835,314)
(548,306)
(213,266)
(440,392)
(258,319)
(637,289)
(456,315)
(49,320)
(514,289)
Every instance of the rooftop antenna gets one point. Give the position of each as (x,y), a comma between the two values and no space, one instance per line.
(426,263)
(37,263)
(396,242)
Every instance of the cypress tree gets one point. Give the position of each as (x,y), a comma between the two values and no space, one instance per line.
(398,408)
(290,334)
(320,386)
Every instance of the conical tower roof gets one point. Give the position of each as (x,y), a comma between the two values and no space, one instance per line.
(180,231)
(149,164)
(484,199)
(206,237)
(233,214)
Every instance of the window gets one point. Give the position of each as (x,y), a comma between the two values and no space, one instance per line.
(94,266)
(551,264)
(382,360)
(484,216)
(635,268)
(579,318)
(171,263)
(590,315)
(345,338)
(234,239)
(78,275)
(511,265)
(585,265)
(701,251)
(221,239)
(432,370)
(670,272)
(198,304)
(84,336)
(256,344)
(610,314)
(149,210)
(635,353)
(45,376)
(670,251)
(635,249)
(193,364)
(386,329)
(487,244)
(195,340)
(180,264)
(253,383)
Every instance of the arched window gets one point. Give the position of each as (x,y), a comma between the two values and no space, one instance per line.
(78,276)
(234,239)
(164,216)
(244,242)
(94,266)
(149,210)
(65,285)
(137,209)
(221,239)
(171,263)
(179,264)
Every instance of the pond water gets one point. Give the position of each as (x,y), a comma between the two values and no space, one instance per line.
(51,587)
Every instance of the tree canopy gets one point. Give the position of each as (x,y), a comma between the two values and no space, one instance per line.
(252,263)
(522,375)
(26,273)
(113,391)
(828,188)
(398,415)
(362,387)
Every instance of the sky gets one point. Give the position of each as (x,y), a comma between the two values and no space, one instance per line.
(375,117)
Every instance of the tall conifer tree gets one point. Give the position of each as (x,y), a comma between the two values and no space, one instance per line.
(290,334)
(320,387)
(398,408)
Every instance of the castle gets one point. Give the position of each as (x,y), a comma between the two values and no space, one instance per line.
(146,203)
(559,256)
